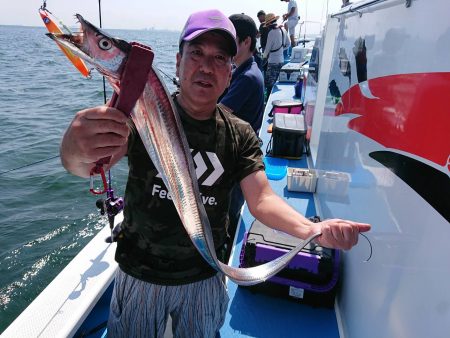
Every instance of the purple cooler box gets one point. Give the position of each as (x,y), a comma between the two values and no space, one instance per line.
(311,277)
(286,107)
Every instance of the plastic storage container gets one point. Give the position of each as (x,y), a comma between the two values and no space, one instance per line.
(286,107)
(302,180)
(311,277)
(289,133)
(290,72)
(333,183)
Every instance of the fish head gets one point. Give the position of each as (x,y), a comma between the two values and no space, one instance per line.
(105,53)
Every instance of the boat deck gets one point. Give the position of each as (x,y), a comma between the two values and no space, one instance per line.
(252,314)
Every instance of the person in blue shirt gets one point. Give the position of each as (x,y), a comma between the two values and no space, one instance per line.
(244,97)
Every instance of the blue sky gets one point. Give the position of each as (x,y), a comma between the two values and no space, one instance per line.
(159,14)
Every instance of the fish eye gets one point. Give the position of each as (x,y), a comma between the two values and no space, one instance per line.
(105,43)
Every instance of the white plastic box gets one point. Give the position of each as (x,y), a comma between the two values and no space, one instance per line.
(290,72)
(333,183)
(302,180)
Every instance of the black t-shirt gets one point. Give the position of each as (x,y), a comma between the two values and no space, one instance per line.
(264,32)
(155,246)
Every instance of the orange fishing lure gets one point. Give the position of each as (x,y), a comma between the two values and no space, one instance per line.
(53,27)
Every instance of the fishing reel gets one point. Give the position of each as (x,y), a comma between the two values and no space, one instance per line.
(111,207)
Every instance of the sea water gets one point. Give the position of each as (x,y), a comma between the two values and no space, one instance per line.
(46,214)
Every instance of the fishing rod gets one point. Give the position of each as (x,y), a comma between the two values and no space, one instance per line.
(112,205)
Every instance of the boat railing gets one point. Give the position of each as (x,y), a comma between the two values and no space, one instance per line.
(359,7)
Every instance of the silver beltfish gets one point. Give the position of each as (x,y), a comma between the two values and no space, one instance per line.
(160,129)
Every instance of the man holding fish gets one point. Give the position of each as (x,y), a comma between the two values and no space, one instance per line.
(167,266)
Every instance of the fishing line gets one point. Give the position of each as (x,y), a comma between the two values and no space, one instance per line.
(173,79)
(370,245)
(100,20)
(44,8)
(104,81)
(28,165)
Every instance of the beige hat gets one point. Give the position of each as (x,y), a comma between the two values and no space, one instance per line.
(270,19)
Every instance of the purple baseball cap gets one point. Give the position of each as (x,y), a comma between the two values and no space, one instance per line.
(205,21)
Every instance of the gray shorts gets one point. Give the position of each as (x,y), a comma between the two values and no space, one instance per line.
(291,24)
(141,309)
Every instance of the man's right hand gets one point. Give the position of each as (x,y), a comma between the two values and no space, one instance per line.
(94,133)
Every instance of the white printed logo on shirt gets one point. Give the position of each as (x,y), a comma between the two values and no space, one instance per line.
(208,168)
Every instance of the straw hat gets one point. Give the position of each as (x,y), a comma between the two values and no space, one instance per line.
(270,19)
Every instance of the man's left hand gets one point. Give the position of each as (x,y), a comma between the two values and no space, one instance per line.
(339,233)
